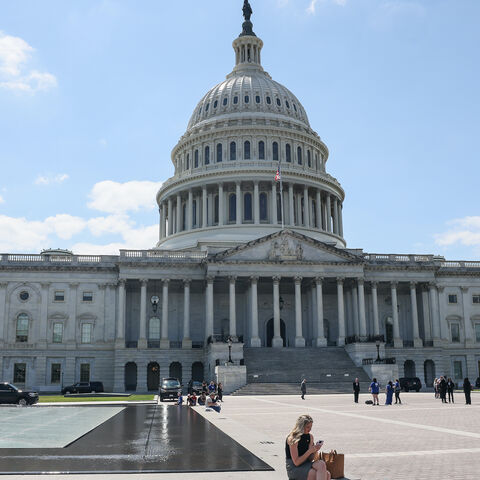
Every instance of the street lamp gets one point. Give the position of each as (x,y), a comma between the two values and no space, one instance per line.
(229,343)
(377,344)
(154,300)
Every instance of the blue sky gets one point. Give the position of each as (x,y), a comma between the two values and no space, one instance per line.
(95,94)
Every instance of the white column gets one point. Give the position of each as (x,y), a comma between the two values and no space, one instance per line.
(299,340)
(356,317)
(467,306)
(163,221)
(209,308)
(376,323)
(306,207)
(186,341)
(341,313)
(291,214)
(165,341)
(179,213)
(329,213)
(256,204)
(189,222)
(233,309)
(121,314)
(221,207)
(204,207)
(426,315)
(361,308)
(319,209)
(142,339)
(434,313)
(335,215)
(417,342)
(397,340)
(274,203)
(255,339)
(170,217)
(238,194)
(321,341)
(3,306)
(277,341)
(340,219)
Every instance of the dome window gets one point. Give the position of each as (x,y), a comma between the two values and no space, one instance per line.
(279,103)
(263,207)
(247,99)
(246,150)
(215,104)
(187,167)
(233,151)
(275,151)
(219,153)
(232,208)
(225,101)
(235,100)
(247,207)
(309,159)
(207,107)
(287,104)
(294,107)
(269,101)
(195,164)
(257,99)
(207,155)
(261,150)
(288,153)
(299,156)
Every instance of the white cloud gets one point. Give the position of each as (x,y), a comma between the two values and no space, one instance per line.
(15,73)
(464,231)
(51,179)
(312,7)
(1,199)
(113,224)
(65,226)
(119,198)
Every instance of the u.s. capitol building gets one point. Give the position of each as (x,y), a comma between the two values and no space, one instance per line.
(241,254)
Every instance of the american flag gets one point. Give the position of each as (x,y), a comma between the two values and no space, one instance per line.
(278,176)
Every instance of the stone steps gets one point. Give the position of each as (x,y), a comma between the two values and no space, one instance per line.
(294,388)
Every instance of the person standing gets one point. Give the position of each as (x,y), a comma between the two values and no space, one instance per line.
(435,388)
(303,388)
(450,389)
(389,392)
(375,390)
(442,386)
(398,389)
(467,390)
(356,390)
(220,392)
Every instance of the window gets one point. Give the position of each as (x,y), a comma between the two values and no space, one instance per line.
(187,167)
(263,207)
(184,216)
(207,155)
(257,99)
(294,107)
(57,333)
(246,150)
(215,104)
(309,159)
(288,153)
(232,208)
(279,208)
(233,151)
(22,328)
(215,210)
(19,372)
(247,207)
(235,100)
(279,103)
(59,296)
(196,159)
(84,372)
(287,104)
(477,333)
(269,100)
(476,299)
(219,153)
(275,151)
(194,213)
(457,369)
(24,296)
(225,101)
(455,330)
(154,329)
(207,107)
(452,299)
(86,333)
(247,99)
(87,297)
(55,373)
(261,150)
(299,156)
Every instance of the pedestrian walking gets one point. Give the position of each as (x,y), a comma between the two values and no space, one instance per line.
(398,389)
(303,388)
(450,389)
(356,390)
(442,385)
(467,390)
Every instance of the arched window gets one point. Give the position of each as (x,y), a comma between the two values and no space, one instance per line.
(184,216)
(233,151)
(247,99)
(246,150)
(263,207)
(22,328)
(232,208)
(288,153)
(207,155)
(235,100)
(314,214)
(215,210)
(309,159)
(196,159)
(194,213)
(187,166)
(299,156)
(261,150)
(219,152)
(275,151)
(154,329)
(206,108)
(225,101)
(257,98)
(269,100)
(215,104)
(279,103)
(247,207)
(287,104)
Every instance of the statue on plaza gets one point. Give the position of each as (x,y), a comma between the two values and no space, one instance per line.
(247,10)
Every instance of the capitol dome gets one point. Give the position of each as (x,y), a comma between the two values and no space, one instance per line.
(249,164)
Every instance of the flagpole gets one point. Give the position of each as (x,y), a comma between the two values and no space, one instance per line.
(281,193)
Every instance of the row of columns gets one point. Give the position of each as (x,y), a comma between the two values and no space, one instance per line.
(326,216)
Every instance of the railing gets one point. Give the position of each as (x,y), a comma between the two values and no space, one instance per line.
(376,257)
(175,344)
(131,344)
(153,344)
(408,344)
(55,259)
(460,264)
(155,255)
(197,344)
(381,361)
(428,343)
(368,339)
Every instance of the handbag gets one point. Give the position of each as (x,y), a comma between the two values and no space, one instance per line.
(335,463)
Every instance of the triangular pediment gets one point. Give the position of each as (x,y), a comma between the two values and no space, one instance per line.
(287,246)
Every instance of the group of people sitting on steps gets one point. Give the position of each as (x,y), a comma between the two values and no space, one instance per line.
(211,394)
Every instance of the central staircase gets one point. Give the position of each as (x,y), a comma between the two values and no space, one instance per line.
(279,371)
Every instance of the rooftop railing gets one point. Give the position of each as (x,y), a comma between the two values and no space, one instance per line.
(13,258)
(156,255)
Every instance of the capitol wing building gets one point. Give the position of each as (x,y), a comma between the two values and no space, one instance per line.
(251,258)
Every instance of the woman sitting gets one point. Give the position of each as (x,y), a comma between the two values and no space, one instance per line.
(300,450)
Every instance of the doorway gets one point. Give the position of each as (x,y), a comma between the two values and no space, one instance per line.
(269,332)
(153,376)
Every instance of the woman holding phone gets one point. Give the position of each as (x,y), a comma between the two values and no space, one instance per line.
(300,449)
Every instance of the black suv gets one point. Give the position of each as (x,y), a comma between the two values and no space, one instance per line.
(83,387)
(410,383)
(169,389)
(11,394)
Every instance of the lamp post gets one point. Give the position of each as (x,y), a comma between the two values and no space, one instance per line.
(229,343)
(154,300)
(377,344)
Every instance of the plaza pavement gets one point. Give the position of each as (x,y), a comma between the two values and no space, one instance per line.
(420,439)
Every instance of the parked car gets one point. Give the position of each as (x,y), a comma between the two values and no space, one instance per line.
(197,387)
(410,383)
(11,394)
(83,387)
(169,389)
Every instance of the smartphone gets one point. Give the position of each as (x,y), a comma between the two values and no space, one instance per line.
(319,442)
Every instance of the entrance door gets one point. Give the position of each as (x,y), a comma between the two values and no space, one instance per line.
(429,372)
(153,376)
(269,335)
(131,376)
